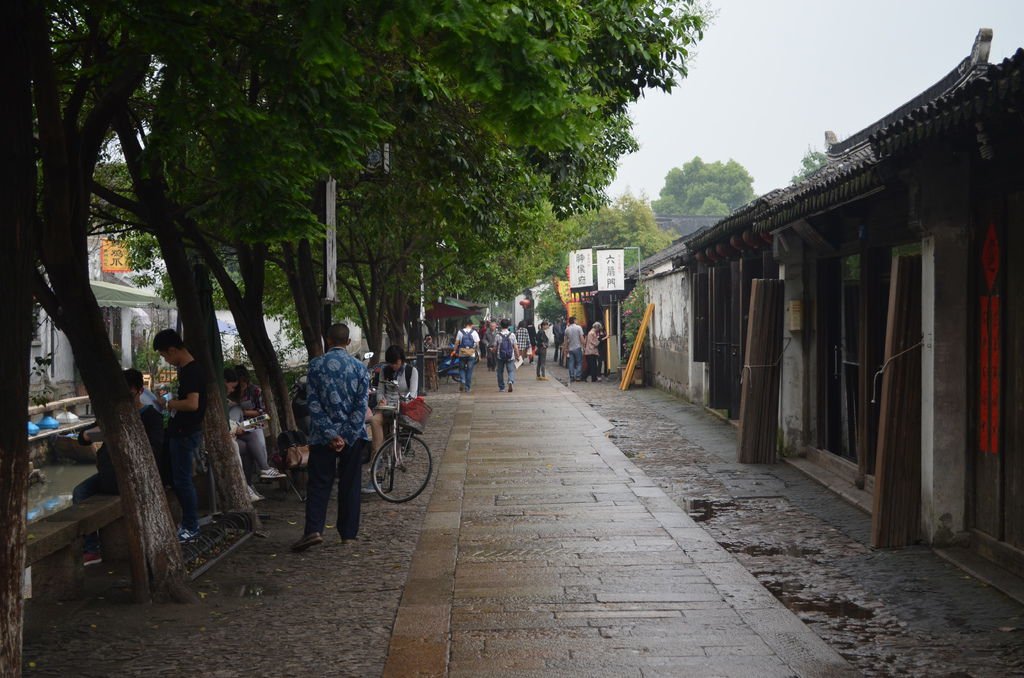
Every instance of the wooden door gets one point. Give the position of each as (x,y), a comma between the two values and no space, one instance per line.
(1013,403)
(736,297)
(721,303)
(989,253)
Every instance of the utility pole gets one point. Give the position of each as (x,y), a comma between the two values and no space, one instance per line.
(326,207)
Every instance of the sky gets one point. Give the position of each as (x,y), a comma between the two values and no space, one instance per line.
(769,78)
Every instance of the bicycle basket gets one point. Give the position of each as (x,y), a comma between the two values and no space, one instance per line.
(414,414)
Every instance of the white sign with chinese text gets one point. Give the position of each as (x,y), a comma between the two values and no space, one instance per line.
(611,270)
(581,268)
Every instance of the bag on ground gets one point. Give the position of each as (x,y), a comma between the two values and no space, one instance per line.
(292,450)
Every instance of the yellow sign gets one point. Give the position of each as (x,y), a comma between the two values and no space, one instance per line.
(113,257)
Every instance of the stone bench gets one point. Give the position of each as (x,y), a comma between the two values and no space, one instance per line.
(54,545)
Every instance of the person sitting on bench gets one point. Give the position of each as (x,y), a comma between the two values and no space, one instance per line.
(104,481)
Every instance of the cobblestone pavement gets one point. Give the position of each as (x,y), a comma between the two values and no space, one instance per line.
(264,611)
(546,552)
(889,612)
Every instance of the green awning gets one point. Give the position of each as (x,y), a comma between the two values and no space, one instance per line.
(122,296)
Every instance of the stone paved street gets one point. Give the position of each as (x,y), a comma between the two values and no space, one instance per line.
(264,611)
(582,532)
(547,552)
(889,612)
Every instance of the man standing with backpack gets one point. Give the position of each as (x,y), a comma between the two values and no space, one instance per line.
(508,352)
(467,343)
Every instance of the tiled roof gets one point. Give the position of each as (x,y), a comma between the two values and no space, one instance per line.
(851,169)
(998,87)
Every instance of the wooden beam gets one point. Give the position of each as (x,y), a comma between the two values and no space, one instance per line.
(634,356)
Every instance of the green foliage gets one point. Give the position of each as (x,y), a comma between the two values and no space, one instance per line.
(705,189)
(549,307)
(628,222)
(633,313)
(812,161)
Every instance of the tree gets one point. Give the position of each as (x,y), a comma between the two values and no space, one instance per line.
(704,189)
(18,193)
(84,65)
(812,161)
(628,222)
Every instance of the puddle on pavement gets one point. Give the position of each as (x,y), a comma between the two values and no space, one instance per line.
(256,590)
(789,593)
(791,550)
(702,510)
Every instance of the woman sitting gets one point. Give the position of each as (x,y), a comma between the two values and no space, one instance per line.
(408,380)
(252,443)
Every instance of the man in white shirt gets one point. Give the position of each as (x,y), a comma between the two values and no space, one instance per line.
(467,346)
(573,343)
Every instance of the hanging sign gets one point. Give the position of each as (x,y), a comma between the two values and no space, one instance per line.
(611,270)
(113,257)
(581,268)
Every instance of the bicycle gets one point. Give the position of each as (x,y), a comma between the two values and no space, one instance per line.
(400,469)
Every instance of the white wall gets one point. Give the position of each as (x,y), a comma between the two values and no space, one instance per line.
(669,365)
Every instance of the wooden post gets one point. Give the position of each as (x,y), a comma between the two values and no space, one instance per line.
(897,502)
(627,376)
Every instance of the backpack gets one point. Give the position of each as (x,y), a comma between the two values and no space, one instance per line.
(467,339)
(506,348)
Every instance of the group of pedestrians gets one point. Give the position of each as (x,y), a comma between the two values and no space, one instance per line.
(579,347)
(503,350)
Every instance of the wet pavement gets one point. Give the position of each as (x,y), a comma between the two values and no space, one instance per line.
(579,533)
(888,611)
(546,552)
(264,610)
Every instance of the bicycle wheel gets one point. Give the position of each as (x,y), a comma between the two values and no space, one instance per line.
(399,480)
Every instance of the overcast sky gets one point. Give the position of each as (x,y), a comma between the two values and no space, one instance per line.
(770,77)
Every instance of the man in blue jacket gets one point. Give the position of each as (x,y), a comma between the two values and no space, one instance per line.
(338,387)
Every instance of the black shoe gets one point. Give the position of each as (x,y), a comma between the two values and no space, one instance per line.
(510,388)
(307,541)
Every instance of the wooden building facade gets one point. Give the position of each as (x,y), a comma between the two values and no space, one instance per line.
(903,358)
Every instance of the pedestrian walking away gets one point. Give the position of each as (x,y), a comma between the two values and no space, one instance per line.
(184,430)
(542,352)
(491,349)
(338,390)
(507,354)
(523,341)
(558,330)
(573,345)
(592,351)
(467,345)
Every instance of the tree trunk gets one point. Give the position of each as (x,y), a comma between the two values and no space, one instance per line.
(232,489)
(247,310)
(146,182)
(17,194)
(155,551)
(310,335)
(67,163)
(310,291)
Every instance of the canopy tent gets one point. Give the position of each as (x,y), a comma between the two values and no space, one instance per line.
(449,307)
(121,296)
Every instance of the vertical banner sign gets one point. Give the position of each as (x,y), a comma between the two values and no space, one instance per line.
(113,257)
(611,270)
(331,242)
(581,268)
(990,346)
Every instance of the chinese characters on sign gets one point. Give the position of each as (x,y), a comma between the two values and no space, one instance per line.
(113,257)
(581,268)
(611,271)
